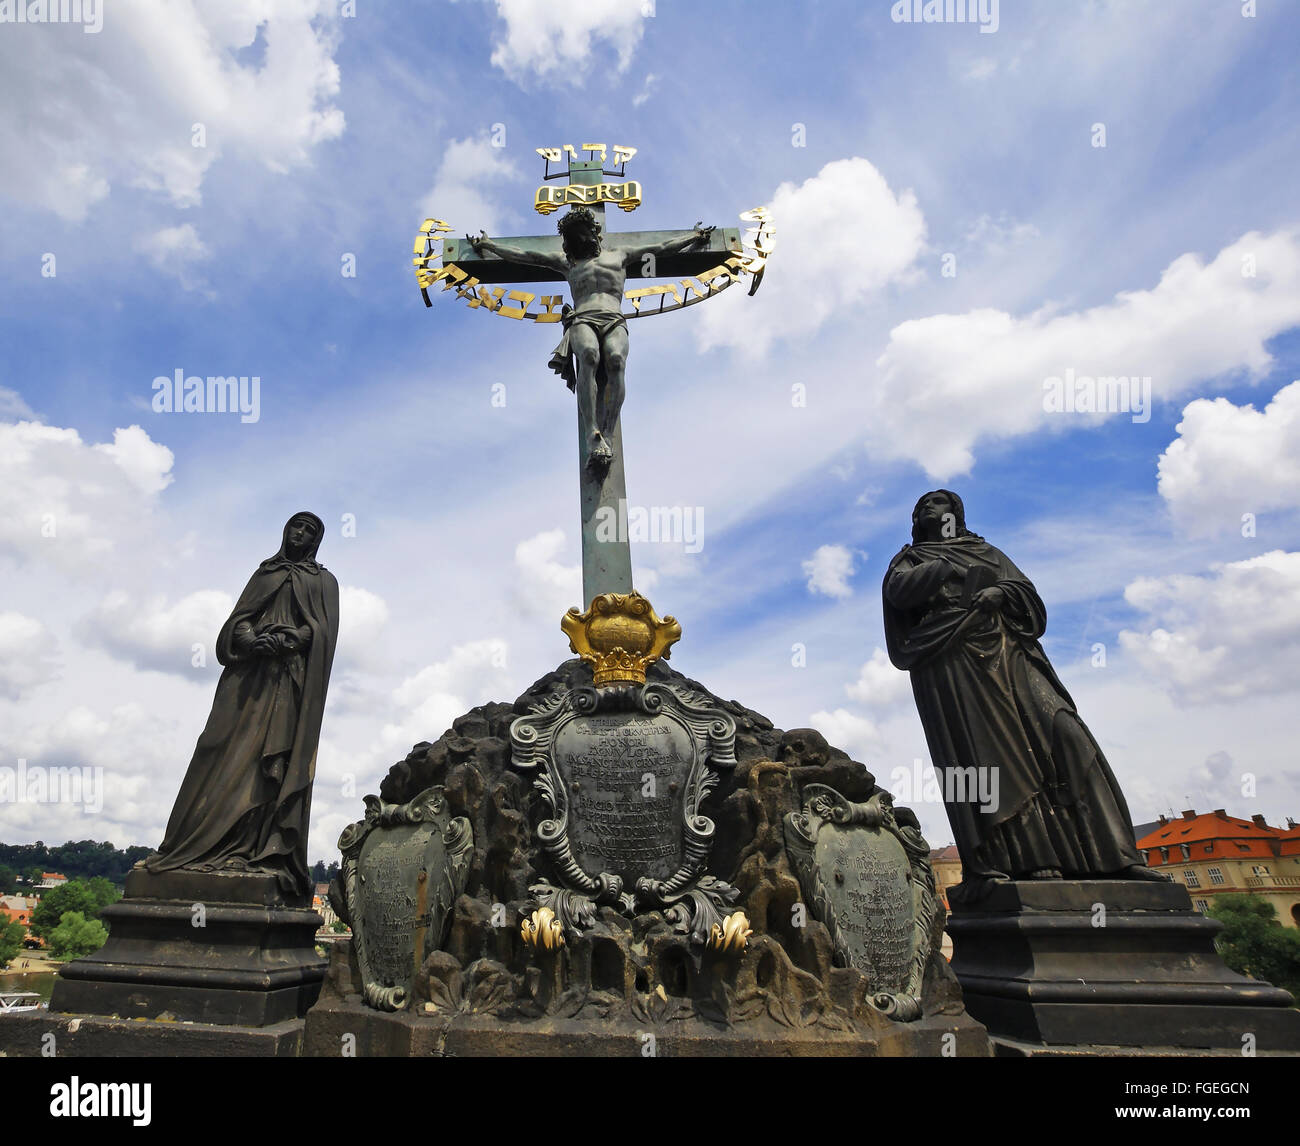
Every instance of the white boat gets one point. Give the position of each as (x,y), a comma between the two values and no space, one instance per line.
(11,1001)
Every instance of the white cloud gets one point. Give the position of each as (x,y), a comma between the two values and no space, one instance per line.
(13,408)
(156,635)
(545,586)
(880,685)
(362,614)
(981,68)
(997,236)
(137,756)
(828,571)
(648,86)
(561,41)
(25,661)
(458,193)
(840,236)
(64,501)
(174,251)
(429,701)
(853,734)
(950,379)
(145,462)
(1222,637)
(1228,460)
(128,98)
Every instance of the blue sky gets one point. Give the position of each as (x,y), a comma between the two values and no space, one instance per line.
(885,150)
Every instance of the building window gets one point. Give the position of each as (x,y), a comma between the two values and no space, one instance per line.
(1215,874)
(1189,878)
(1260,869)
(1187,851)
(1201,906)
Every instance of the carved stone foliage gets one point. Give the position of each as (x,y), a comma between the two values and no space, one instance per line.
(623,772)
(403,868)
(868,879)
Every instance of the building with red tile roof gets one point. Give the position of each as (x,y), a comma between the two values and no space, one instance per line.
(1214,853)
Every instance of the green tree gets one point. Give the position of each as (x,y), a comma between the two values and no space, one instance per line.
(76,935)
(11,938)
(103,892)
(86,896)
(8,880)
(1254,943)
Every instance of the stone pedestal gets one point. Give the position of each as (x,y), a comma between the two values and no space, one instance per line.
(1123,964)
(217,948)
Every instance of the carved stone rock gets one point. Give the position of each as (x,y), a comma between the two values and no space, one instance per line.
(625,973)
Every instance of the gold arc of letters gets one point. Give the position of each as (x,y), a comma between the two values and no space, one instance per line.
(757,246)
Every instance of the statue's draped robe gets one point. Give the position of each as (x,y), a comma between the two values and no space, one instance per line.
(988,697)
(247,795)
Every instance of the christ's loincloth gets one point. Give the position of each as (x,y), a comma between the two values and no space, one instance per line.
(564,360)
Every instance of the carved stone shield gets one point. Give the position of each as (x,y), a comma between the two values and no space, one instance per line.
(869,880)
(626,773)
(403,868)
(623,772)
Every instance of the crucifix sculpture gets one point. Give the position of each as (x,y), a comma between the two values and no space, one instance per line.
(592,353)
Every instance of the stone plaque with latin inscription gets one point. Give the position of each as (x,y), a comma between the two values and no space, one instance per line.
(403,868)
(623,772)
(626,773)
(868,878)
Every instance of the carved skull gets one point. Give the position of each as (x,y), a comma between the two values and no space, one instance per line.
(801,747)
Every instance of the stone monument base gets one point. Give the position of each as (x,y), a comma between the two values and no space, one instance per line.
(38,1034)
(199,947)
(341,1023)
(1055,966)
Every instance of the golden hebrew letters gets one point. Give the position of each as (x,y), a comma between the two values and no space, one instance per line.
(555,154)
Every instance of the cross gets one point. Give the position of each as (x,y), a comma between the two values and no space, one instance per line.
(606,560)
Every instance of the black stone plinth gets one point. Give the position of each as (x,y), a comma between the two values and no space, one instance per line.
(40,1034)
(1041,964)
(252,963)
(337,1023)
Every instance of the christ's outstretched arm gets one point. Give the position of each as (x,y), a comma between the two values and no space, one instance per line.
(669,247)
(482,243)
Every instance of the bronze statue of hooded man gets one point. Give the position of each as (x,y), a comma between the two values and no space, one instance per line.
(246,799)
(966,623)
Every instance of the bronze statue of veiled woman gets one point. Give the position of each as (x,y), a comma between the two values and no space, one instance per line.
(246,799)
(966,623)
